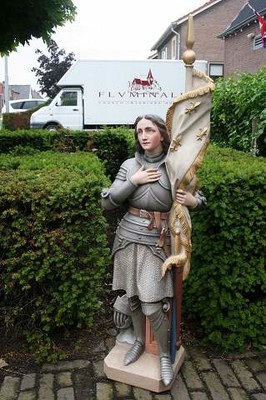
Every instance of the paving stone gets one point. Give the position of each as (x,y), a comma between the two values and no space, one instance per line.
(65,394)
(261,377)
(259,396)
(122,389)
(199,396)
(160,396)
(215,387)
(65,365)
(141,394)
(28,382)
(64,379)
(191,376)
(226,373)
(27,395)
(255,365)
(263,359)
(84,384)
(245,376)
(238,394)
(179,390)
(104,391)
(98,369)
(46,387)
(201,361)
(9,388)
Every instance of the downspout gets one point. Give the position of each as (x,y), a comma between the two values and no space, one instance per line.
(178,40)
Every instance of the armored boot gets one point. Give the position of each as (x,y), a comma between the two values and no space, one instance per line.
(138,320)
(159,324)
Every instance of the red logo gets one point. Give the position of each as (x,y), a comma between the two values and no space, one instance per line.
(145,84)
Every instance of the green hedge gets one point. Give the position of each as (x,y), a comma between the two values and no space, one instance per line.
(226,289)
(53,243)
(238,115)
(112,146)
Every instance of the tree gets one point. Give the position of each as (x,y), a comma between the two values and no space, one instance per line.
(24,20)
(52,68)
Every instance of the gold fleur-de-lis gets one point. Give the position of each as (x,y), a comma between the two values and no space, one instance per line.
(202,133)
(176,142)
(192,107)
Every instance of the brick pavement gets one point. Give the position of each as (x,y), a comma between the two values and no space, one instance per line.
(202,377)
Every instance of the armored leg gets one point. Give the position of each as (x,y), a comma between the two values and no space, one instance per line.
(160,330)
(138,320)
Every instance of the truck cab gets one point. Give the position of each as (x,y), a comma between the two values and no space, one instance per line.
(65,110)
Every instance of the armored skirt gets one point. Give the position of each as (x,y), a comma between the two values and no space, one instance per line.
(142,237)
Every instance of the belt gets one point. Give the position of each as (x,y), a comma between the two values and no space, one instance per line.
(156,218)
(148,214)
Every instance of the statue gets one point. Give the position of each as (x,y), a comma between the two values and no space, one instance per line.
(152,241)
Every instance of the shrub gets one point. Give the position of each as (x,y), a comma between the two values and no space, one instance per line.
(112,146)
(53,244)
(238,115)
(226,289)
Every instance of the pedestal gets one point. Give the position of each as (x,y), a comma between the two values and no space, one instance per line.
(144,373)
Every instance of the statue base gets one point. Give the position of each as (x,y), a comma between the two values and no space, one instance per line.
(144,373)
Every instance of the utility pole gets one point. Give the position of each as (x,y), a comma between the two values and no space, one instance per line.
(6,94)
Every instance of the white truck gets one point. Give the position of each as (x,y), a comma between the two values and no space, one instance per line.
(113,92)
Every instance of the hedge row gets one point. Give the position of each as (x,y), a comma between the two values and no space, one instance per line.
(112,146)
(53,243)
(238,115)
(226,290)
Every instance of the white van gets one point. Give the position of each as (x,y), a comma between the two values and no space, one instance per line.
(113,92)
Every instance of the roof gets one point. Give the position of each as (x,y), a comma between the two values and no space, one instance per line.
(24,92)
(245,17)
(181,20)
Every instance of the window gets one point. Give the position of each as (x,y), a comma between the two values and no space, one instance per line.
(17,105)
(30,104)
(173,45)
(69,99)
(257,42)
(216,70)
(164,53)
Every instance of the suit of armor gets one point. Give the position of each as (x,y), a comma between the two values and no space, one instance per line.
(134,231)
(141,245)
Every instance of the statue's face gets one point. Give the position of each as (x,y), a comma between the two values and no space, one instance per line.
(149,136)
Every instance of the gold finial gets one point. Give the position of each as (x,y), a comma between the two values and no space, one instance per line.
(189,55)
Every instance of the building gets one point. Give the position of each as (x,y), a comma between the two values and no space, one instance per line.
(210,20)
(244,51)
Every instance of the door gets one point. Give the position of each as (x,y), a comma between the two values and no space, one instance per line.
(69,109)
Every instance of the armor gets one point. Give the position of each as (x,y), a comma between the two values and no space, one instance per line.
(149,197)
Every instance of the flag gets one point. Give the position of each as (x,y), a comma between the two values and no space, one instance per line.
(262,25)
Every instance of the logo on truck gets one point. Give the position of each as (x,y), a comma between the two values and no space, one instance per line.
(139,90)
(145,84)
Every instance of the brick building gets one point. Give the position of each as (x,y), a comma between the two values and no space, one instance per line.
(244,50)
(212,18)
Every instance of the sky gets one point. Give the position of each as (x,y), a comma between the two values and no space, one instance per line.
(103,29)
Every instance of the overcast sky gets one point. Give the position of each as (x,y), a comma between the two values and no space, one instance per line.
(103,29)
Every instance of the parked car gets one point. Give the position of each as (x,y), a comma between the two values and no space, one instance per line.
(22,105)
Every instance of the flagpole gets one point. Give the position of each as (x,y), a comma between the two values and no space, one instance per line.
(189,55)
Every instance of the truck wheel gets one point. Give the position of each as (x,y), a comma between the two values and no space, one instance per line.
(52,127)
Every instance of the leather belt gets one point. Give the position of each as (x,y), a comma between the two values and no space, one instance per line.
(148,214)
(158,220)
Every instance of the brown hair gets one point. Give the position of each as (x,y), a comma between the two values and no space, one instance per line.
(159,122)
